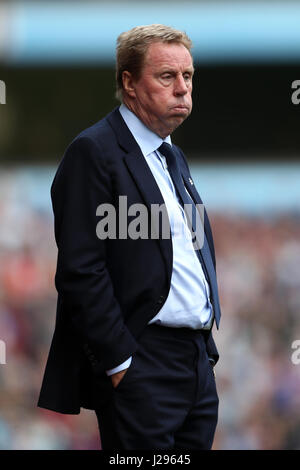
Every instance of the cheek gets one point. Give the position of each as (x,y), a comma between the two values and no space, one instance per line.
(156,99)
(190,97)
(165,96)
(158,102)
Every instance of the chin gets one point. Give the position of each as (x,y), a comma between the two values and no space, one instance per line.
(178,119)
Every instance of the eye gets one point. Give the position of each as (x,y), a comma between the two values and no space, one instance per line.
(166,76)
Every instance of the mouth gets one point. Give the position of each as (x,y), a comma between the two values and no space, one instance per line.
(180,107)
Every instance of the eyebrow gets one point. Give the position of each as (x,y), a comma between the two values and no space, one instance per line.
(173,71)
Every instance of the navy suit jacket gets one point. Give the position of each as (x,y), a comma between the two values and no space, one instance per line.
(108,290)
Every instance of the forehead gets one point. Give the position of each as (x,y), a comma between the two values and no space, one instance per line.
(160,55)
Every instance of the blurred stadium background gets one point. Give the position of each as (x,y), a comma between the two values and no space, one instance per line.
(242,141)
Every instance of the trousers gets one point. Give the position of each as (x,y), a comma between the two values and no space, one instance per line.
(167,399)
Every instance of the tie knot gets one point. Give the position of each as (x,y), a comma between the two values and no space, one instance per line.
(166,150)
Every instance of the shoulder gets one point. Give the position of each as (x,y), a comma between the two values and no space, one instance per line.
(87,155)
(100,133)
(93,144)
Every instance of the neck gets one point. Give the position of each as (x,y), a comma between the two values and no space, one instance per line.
(157,127)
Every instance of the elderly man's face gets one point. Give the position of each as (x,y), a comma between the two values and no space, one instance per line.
(162,97)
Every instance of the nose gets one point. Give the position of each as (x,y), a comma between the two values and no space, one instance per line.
(180,86)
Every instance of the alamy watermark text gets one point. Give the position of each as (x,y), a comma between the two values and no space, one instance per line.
(2,92)
(2,352)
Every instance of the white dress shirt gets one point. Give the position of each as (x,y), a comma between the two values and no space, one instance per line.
(188,303)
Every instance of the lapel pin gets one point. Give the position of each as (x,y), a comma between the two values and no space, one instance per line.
(191,181)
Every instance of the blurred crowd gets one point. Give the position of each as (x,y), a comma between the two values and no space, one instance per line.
(258,267)
(259,276)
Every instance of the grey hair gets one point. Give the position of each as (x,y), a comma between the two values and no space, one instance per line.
(132,47)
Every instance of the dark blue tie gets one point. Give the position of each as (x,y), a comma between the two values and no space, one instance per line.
(203,253)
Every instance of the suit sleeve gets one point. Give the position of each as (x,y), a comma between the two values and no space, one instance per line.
(81,183)
(211,348)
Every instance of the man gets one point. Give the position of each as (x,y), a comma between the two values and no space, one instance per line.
(133,334)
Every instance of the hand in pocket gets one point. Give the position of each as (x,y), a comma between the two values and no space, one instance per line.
(117,377)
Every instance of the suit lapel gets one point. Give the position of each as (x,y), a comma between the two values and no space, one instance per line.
(143,178)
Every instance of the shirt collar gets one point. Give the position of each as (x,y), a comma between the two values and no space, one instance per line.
(147,140)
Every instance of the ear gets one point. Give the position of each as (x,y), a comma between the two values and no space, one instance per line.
(128,84)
